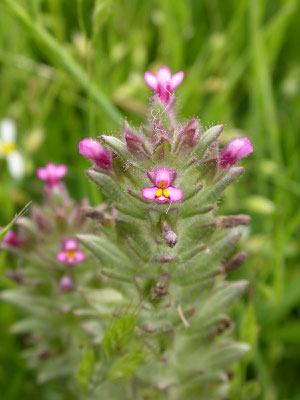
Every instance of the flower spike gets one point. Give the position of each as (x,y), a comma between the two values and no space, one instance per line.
(164,83)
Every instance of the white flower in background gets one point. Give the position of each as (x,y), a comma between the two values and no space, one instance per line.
(8,148)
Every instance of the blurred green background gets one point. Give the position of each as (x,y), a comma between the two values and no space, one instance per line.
(71,69)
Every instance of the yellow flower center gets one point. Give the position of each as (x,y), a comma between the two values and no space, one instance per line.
(159,192)
(162,184)
(7,148)
(70,254)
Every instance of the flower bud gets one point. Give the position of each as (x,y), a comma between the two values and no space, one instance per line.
(189,135)
(135,143)
(230,221)
(169,236)
(93,150)
(236,149)
(66,283)
(235,262)
(11,239)
(159,290)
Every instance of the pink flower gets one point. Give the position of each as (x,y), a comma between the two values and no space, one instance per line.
(70,254)
(162,191)
(164,83)
(237,148)
(52,173)
(93,150)
(66,283)
(11,239)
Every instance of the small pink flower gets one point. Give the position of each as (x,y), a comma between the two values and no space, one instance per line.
(237,148)
(93,150)
(66,283)
(164,83)
(70,254)
(11,239)
(52,173)
(162,191)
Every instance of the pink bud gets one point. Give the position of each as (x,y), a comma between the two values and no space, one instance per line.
(66,283)
(236,149)
(93,150)
(11,239)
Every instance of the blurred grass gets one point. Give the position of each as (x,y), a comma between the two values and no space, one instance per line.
(69,70)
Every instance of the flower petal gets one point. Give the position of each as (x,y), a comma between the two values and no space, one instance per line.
(62,256)
(245,148)
(149,193)
(79,256)
(42,173)
(71,260)
(164,175)
(162,199)
(15,165)
(8,130)
(70,244)
(61,171)
(164,75)
(151,80)
(176,80)
(175,194)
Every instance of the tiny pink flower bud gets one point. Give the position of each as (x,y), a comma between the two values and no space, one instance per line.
(164,83)
(162,191)
(93,150)
(11,239)
(236,149)
(52,173)
(66,283)
(70,254)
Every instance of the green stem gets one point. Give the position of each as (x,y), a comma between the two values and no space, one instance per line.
(56,51)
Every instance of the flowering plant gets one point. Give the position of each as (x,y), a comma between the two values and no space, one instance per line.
(156,308)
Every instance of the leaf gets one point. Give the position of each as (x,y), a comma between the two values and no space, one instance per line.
(85,10)
(211,194)
(210,136)
(86,367)
(125,366)
(101,11)
(104,300)
(224,353)
(217,303)
(56,367)
(112,190)
(113,260)
(207,263)
(118,335)
(4,230)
